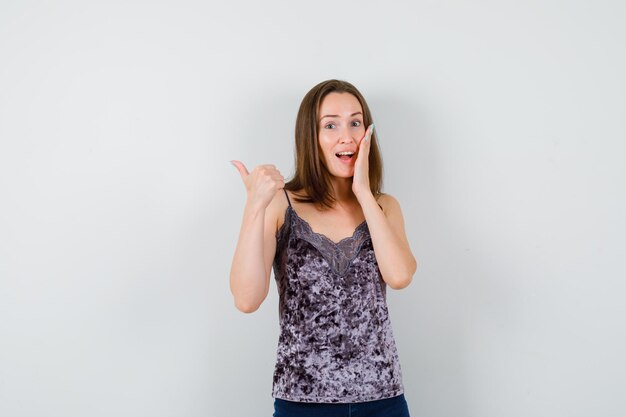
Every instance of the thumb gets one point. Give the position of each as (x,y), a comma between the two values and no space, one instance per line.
(241,168)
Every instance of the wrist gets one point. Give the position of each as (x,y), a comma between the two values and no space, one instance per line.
(254,207)
(364,195)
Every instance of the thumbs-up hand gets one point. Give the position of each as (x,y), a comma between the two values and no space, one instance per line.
(261,184)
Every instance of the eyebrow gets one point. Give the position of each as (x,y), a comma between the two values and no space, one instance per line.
(336,115)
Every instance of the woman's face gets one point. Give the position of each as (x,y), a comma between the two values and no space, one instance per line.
(340,129)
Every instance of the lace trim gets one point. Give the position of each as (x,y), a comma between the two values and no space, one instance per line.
(339,255)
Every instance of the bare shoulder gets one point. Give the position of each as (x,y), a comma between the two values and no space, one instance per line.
(393,212)
(275,211)
(389,203)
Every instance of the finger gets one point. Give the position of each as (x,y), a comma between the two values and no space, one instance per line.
(243,171)
(279,182)
(371,132)
(266,168)
(367,135)
(364,147)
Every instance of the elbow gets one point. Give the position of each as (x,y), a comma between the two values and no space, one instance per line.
(248,303)
(246,307)
(246,300)
(402,281)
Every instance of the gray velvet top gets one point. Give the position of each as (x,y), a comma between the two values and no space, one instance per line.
(336,344)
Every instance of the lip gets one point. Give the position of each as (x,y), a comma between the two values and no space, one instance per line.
(347,162)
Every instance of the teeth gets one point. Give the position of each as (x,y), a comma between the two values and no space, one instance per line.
(345,153)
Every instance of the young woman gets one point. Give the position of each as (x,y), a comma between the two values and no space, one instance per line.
(335,242)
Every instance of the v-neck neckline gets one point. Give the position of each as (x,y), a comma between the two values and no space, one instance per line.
(323,236)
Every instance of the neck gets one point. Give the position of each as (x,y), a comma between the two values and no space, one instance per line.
(343,189)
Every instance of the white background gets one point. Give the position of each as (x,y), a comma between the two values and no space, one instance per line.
(503,131)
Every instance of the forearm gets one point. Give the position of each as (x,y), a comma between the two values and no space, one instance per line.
(248,277)
(395,260)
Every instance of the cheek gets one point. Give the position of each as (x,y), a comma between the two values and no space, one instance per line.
(325,142)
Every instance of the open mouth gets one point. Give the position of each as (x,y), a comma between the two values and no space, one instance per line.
(345,156)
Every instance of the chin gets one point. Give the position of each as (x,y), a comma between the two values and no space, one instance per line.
(341,171)
(343,175)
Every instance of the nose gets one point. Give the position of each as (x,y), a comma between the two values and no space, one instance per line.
(346,135)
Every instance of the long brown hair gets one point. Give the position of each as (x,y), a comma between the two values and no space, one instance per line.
(311,173)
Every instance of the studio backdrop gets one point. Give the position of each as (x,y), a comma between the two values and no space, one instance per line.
(502,131)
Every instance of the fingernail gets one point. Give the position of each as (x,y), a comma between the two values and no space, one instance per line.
(233,164)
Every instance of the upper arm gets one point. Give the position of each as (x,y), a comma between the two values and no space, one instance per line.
(272,213)
(393,212)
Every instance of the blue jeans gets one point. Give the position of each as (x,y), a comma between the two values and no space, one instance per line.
(388,407)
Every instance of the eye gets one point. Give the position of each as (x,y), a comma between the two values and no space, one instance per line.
(329,124)
(356,123)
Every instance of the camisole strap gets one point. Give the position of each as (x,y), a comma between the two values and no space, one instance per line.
(288,201)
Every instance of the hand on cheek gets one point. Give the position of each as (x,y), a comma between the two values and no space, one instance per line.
(360,181)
